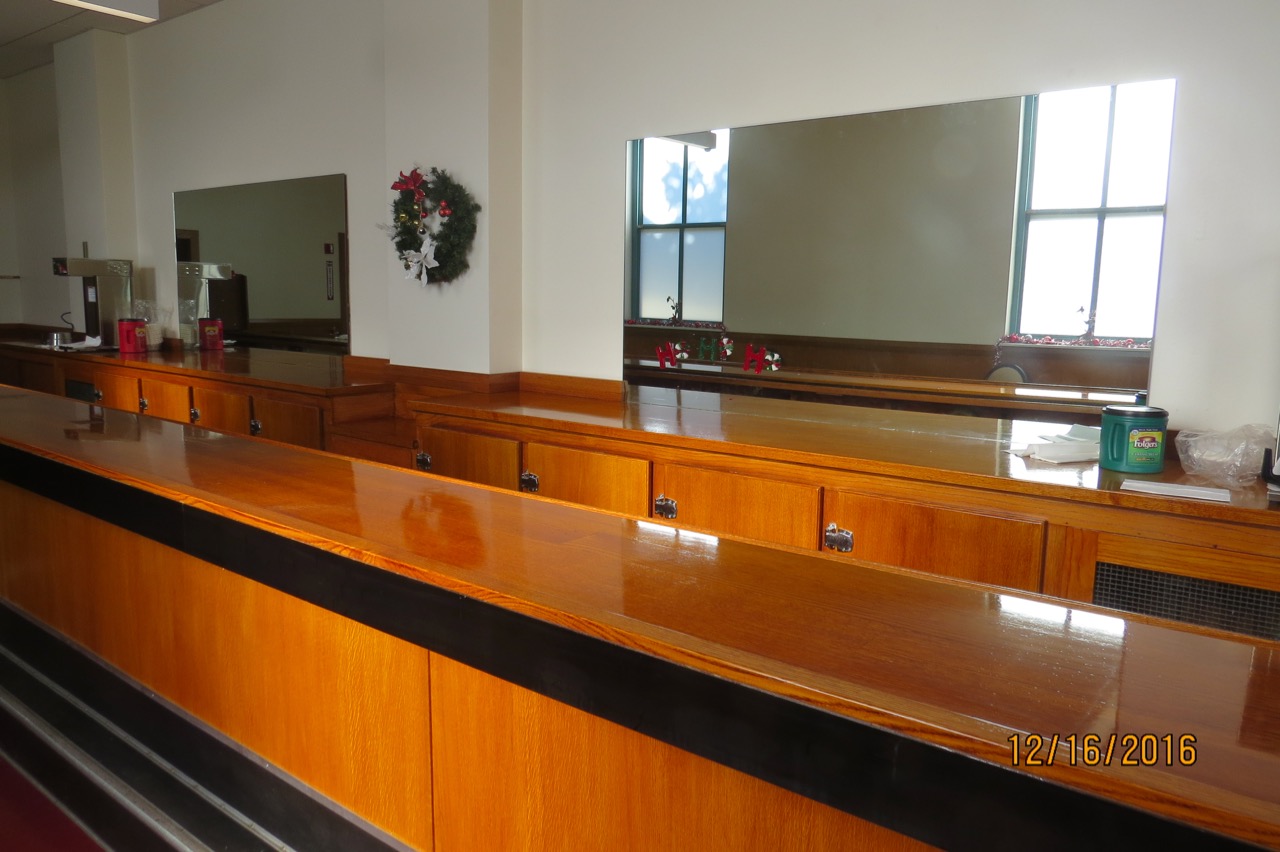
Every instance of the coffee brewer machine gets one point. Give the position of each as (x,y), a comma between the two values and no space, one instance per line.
(108,293)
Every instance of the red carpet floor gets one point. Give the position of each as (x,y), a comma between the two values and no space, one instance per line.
(30,822)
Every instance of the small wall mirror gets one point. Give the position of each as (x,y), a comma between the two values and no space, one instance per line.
(285,243)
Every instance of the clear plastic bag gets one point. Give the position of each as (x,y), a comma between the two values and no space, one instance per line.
(1230,459)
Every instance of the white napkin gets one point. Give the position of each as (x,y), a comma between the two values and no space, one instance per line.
(1079,443)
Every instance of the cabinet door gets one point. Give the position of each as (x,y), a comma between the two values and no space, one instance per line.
(38,376)
(616,483)
(289,422)
(474,458)
(167,400)
(10,371)
(371,450)
(119,390)
(222,410)
(987,548)
(767,510)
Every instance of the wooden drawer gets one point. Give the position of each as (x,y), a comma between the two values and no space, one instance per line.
(290,422)
(1003,550)
(222,410)
(616,483)
(168,400)
(738,504)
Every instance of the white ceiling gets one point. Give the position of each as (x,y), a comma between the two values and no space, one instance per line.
(30,28)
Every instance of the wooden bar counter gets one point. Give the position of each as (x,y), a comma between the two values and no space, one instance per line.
(467,668)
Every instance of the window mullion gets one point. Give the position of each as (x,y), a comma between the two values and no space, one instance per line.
(1091,320)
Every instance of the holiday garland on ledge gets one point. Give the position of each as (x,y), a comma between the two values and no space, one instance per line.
(433,224)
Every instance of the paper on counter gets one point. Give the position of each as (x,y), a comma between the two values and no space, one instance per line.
(1079,443)
(1076,451)
(1171,489)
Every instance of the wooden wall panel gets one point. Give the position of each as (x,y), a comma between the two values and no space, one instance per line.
(517,771)
(339,705)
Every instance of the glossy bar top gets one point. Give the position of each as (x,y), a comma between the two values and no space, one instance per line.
(959,666)
(920,445)
(289,370)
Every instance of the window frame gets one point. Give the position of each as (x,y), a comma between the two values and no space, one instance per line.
(638,228)
(1025,215)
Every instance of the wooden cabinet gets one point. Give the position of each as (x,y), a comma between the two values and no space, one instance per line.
(754,507)
(455,448)
(32,371)
(1003,550)
(471,457)
(961,534)
(602,480)
(10,371)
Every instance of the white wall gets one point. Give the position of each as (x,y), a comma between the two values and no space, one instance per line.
(244,92)
(36,184)
(94,142)
(600,74)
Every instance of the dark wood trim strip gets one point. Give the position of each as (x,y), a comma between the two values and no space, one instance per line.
(935,795)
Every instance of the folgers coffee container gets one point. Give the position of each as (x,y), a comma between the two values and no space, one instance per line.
(1133,438)
(132,335)
(210,332)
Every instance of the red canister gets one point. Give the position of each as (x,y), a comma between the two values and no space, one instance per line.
(210,333)
(133,335)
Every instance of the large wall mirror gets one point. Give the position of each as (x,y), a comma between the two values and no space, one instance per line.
(894,238)
(285,243)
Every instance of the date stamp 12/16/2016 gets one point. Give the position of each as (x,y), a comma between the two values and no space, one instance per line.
(1103,749)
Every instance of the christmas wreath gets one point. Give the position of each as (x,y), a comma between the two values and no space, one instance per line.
(433,224)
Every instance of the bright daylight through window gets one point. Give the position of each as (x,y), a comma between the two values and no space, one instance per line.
(1091,211)
(683,200)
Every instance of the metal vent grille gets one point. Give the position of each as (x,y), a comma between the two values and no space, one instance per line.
(1208,603)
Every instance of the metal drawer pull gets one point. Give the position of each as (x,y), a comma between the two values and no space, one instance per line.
(255,427)
(529,482)
(664,507)
(423,461)
(837,539)
(142,403)
(195,415)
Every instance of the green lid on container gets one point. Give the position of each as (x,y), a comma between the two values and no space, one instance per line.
(1135,411)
